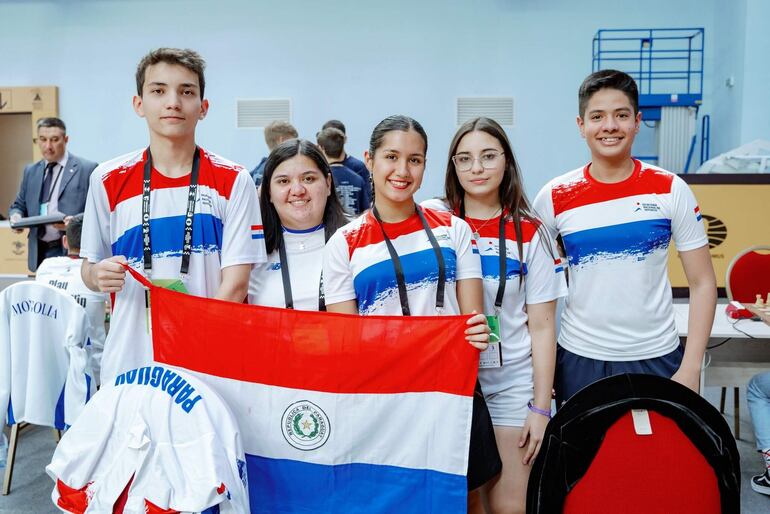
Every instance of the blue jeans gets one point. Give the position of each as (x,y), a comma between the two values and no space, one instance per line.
(758,396)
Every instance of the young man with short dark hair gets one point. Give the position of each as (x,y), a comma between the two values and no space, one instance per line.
(357,165)
(187,218)
(350,188)
(616,216)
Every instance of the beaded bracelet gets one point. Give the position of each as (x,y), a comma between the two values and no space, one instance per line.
(542,412)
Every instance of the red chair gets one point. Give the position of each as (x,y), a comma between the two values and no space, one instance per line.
(636,444)
(748,275)
(662,480)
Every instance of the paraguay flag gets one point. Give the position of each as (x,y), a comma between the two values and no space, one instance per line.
(337,413)
(257,232)
(697,213)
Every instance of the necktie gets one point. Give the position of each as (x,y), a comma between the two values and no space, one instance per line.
(45,192)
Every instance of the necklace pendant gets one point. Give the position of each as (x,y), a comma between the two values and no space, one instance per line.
(476,235)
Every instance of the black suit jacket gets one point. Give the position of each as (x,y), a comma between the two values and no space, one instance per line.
(72,195)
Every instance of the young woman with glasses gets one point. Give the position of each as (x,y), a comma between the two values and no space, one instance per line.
(300,211)
(483,186)
(362,259)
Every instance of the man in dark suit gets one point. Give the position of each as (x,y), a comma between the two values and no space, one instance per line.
(58,183)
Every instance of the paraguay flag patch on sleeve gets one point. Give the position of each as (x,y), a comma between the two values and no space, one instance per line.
(697,213)
(558,266)
(257,232)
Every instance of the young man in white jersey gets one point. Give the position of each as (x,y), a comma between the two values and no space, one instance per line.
(64,273)
(188,219)
(616,217)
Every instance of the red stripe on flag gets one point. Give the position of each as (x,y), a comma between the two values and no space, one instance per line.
(335,353)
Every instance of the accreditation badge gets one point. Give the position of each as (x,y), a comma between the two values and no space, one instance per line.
(174,284)
(492,357)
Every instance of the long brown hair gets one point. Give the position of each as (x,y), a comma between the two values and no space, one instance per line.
(511,191)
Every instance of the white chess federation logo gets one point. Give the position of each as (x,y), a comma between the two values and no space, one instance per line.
(305,426)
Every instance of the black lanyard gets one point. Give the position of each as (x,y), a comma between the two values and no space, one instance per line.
(285,277)
(188,221)
(502,250)
(394,258)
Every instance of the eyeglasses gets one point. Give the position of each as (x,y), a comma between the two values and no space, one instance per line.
(488,160)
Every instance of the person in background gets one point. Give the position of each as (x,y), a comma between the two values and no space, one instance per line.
(350,187)
(300,212)
(758,397)
(616,217)
(483,186)
(275,133)
(64,273)
(58,183)
(358,166)
(360,266)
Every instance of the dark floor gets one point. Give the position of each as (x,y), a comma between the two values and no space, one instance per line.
(31,489)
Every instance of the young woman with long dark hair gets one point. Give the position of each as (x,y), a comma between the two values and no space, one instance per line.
(361,260)
(521,284)
(300,211)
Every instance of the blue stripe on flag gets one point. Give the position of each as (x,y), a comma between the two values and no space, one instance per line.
(699,217)
(636,239)
(379,279)
(257,236)
(168,236)
(302,487)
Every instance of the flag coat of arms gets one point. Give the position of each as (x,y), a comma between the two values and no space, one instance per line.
(338,413)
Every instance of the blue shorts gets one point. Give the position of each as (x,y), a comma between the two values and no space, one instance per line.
(574,372)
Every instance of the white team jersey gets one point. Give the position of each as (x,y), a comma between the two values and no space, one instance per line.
(616,237)
(304,251)
(227,231)
(44,374)
(64,273)
(357,265)
(164,432)
(543,282)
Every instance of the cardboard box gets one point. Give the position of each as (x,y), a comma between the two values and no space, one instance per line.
(13,251)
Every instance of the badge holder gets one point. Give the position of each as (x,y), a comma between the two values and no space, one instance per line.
(492,357)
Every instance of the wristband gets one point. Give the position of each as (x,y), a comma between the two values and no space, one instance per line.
(542,412)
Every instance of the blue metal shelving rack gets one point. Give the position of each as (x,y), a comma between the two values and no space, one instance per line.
(666,63)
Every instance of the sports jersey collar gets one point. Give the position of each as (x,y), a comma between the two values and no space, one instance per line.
(303,231)
(634,175)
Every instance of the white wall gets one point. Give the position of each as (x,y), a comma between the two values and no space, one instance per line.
(755,119)
(356,61)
